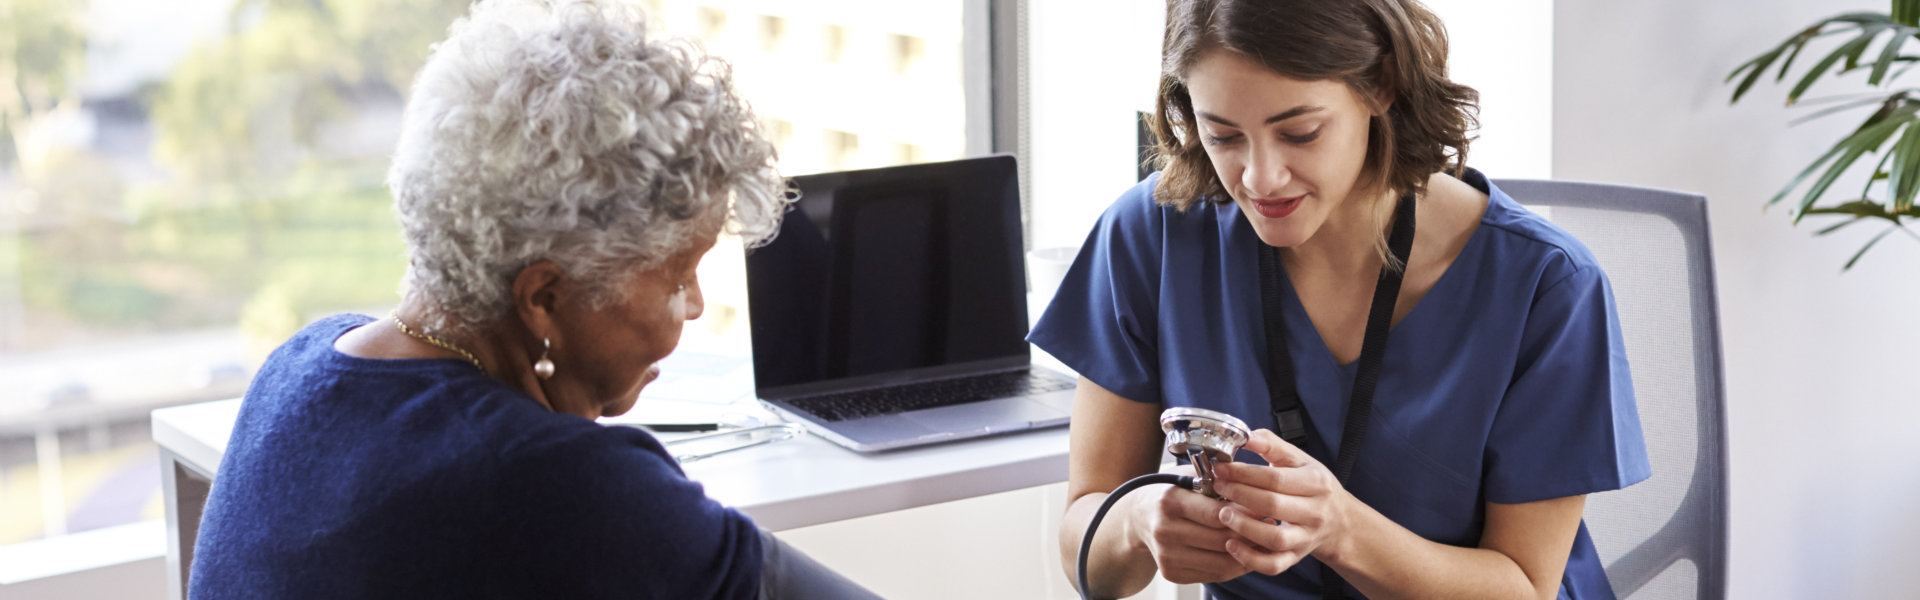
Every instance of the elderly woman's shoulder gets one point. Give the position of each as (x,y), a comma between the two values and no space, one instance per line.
(552,436)
(591,468)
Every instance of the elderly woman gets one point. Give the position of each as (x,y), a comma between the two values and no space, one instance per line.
(558,177)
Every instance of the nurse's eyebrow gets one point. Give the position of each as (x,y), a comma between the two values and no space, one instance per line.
(1290,113)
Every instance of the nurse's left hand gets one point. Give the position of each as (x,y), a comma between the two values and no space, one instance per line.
(1282,512)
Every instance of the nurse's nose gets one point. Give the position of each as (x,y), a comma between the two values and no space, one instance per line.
(1266,174)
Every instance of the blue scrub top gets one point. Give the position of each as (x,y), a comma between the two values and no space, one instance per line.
(1507,383)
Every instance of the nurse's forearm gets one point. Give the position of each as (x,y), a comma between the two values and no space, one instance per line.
(1118,566)
(1386,561)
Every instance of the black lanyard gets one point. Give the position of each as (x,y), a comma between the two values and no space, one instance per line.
(1289,415)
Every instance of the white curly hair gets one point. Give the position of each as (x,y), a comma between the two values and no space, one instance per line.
(557,130)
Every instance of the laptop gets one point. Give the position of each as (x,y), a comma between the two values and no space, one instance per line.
(891,310)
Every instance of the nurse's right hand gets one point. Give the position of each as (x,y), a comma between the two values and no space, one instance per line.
(1182,530)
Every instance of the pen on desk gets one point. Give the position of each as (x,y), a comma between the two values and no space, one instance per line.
(681,427)
(767,434)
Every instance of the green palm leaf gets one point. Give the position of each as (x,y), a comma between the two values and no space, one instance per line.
(1871,99)
(1880,172)
(1906,12)
(1863,249)
(1867,139)
(1887,56)
(1882,95)
(1904,179)
(1891,132)
(1759,66)
(1837,226)
(1850,51)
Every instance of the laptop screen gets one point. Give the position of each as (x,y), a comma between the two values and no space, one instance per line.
(912,269)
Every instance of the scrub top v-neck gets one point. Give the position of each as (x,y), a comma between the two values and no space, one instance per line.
(1507,383)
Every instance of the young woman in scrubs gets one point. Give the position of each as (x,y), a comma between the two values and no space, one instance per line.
(1502,397)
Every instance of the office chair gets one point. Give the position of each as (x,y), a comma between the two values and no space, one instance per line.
(1665,537)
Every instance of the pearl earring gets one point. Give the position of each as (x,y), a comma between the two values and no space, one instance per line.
(543,368)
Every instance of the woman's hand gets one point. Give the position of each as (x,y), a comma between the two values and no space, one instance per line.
(1182,530)
(1282,512)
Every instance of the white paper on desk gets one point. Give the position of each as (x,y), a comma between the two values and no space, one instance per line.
(701,378)
(696,387)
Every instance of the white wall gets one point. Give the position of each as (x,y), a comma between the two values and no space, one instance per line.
(1504,50)
(144,579)
(125,562)
(1093,64)
(1822,402)
(986,547)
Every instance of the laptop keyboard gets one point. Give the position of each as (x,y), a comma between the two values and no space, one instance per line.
(932,394)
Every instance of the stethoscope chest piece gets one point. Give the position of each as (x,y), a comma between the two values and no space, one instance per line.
(1204,437)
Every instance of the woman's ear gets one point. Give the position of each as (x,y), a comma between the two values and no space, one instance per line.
(538,292)
(1387,88)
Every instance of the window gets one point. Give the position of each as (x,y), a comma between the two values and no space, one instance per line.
(713,23)
(905,153)
(842,149)
(907,52)
(773,32)
(780,131)
(168,211)
(833,41)
(174,204)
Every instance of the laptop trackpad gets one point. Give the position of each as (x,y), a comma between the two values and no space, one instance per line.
(992,416)
(881,430)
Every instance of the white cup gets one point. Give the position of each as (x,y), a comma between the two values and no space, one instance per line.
(1047,266)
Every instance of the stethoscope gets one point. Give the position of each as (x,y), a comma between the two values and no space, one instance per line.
(1204,437)
(753,436)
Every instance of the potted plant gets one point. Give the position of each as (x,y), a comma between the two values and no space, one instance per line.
(1891,133)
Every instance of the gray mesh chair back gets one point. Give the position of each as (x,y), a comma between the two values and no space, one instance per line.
(1665,537)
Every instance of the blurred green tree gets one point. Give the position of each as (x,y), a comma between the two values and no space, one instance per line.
(42,51)
(242,124)
(42,47)
(247,108)
(272,203)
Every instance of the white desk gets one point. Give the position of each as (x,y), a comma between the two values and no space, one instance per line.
(794,483)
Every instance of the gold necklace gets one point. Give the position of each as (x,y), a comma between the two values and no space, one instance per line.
(448,346)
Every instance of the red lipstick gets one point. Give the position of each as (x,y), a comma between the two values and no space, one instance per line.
(1277,208)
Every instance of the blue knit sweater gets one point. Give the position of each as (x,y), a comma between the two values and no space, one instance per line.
(363,478)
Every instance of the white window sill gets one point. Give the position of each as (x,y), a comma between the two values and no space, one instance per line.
(125,558)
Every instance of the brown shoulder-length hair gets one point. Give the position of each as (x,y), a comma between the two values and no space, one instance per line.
(1382,49)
